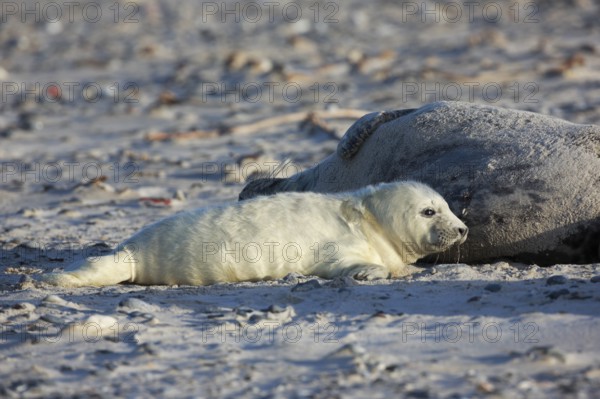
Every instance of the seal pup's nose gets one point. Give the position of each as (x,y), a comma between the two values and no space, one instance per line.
(462,231)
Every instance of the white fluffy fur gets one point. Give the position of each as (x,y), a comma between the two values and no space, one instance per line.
(371,233)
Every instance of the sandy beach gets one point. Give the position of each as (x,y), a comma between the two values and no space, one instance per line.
(115,115)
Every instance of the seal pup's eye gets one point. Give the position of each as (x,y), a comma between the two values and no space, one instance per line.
(428,212)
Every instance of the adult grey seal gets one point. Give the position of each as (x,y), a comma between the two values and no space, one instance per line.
(526,184)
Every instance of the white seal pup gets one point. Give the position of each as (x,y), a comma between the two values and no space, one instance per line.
(371,233)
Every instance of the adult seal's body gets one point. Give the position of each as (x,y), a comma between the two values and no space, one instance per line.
(372,233)
(527,185)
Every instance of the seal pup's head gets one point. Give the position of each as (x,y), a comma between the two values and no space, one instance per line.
(415,217)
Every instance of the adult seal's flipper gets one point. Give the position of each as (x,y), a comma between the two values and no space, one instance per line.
(363,128)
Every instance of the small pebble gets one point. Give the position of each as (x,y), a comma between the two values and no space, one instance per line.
(558,293)
(243,311)
(379,315)
(183,164)
(65,368)
(102,321)
(307,286)
(276,309)
(493,287)
(474,299)
(292,278)
(26,306)
(418,393)
(545,353)
(147,349)
(52,319)
(137,304)
(255,318)
(595,279)
(30,213)
(593,374)
(54,299)
(26,282)
(342,282)
(556,280)
(347,350)
(111,366)
(180,195)
(69,213)
(486,387)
